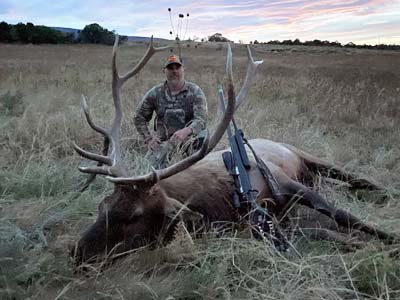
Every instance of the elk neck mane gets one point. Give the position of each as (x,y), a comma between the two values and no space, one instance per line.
(204,187)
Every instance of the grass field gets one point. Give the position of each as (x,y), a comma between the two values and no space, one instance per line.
(342,105)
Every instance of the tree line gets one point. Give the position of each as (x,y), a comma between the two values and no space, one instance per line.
(95,34)
(297,42)
(30,33)
(217,37)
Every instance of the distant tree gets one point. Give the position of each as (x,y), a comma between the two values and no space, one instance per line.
(217,37)
(335,44)
(108,38)
(287,42)
(350,45)
(29,33)
(313,43)
(94,33)
(317,43)
(296,42)
(326,43)
(44,34)
(255,42)
(24,32)
(5,32)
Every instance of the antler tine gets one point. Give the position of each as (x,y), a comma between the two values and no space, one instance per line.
(228,64)
(207,146)
(92,156)
(103,170)
(95,127)
(230,109)
(251,70)
(103,131)
(151,50)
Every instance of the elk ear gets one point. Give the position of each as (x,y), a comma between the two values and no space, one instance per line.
(174,209)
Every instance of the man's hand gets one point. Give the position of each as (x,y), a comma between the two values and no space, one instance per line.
(181,135)
(153,143)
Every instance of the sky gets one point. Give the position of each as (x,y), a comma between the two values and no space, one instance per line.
(359,21)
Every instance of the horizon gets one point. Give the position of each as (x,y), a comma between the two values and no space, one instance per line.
(360,21)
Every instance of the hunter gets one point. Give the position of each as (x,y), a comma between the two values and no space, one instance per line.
(181,115)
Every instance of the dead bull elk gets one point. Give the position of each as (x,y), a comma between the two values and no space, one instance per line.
(140,208)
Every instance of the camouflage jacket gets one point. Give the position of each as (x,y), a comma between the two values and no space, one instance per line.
(173,112)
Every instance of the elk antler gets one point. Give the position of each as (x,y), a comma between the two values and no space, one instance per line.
(113,162)
(210,143)
(251,70)
(114,167)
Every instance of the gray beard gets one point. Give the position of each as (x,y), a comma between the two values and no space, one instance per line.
(175,84)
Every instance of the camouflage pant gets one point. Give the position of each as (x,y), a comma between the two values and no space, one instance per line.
(168,153)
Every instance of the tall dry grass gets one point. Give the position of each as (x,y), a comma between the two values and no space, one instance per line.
(343,106)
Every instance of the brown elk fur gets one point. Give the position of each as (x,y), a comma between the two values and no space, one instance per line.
(132,217)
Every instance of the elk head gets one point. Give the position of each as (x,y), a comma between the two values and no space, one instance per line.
(139,209)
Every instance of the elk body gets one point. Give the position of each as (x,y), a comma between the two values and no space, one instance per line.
(199,189)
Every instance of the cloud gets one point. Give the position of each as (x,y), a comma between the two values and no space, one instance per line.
(343,20)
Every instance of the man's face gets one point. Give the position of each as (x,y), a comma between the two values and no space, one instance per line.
(174,73)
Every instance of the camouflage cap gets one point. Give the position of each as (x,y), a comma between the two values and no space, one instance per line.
(173,59)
